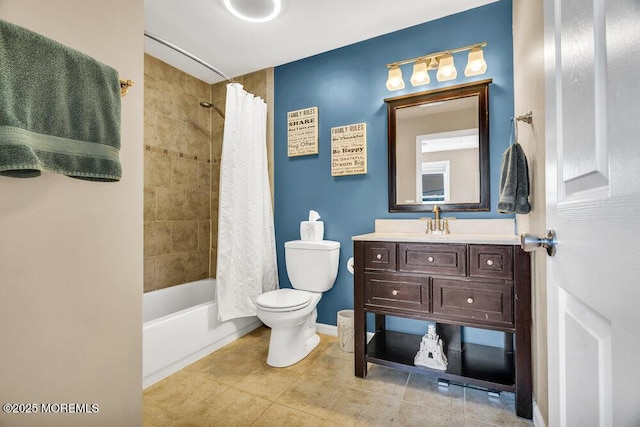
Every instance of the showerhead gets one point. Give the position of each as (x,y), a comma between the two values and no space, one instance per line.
(206,104)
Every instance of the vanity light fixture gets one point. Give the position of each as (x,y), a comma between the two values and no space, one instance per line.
(442,61)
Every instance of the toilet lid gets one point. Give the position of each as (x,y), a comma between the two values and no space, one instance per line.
(284,300)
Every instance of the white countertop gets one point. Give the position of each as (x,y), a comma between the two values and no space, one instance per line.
(490,239)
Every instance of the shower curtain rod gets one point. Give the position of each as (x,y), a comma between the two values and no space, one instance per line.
(188,55)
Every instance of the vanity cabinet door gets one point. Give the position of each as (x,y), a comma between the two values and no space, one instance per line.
(489,303)
(396,291)
(491,261)
(380,256)
(436,259)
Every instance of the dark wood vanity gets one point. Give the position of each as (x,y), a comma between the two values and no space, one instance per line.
(454,284)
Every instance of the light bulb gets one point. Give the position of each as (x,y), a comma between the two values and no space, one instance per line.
(394,80)
(475,63)
(447,69)
(420,75)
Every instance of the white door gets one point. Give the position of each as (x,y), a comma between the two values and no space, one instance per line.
(592,70)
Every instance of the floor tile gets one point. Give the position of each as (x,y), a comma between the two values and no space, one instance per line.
(361,408)
(268,382)
(424,390)
(335,369)
(183,391)
(154,416)
(498,411)
(279,416)
(313,395)
(424,416)
(382,380)
(232,408)
(334,350)
(230,364)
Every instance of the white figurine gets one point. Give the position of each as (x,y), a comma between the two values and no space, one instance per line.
(431,353)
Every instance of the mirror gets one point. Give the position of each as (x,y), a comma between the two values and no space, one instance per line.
(439,149)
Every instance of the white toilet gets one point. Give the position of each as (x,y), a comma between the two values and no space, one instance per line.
(291,314)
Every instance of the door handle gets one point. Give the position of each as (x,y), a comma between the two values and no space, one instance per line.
(529,242)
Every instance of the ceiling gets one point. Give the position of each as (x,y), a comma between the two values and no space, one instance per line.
(304,28)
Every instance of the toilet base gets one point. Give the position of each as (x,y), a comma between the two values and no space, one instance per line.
(290,345)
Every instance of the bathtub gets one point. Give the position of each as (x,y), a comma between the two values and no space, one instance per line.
(180,325)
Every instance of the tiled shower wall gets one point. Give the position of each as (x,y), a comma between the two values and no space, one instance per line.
(183,144)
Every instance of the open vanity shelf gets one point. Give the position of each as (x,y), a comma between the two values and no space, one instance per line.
(476,365)
(454,283)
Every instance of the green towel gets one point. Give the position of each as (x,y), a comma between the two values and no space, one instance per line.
(59,109)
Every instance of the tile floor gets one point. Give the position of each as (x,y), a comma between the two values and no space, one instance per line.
(235,387)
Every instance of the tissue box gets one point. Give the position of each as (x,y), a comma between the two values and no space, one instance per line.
(312,230)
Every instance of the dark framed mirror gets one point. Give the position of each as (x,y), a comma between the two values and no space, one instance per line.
(439,149)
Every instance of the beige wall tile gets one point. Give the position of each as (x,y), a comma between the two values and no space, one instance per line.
(204,176)
(150,127)
(193,86)
(184,173)
(184,106)
(171,270)
(150,273)
(197,265)
(172,134)
(155,96)
(171,204)
(157,170)
(204,235)
(197,205)
(198,142)
(184,236)
(149,203)
(157,238)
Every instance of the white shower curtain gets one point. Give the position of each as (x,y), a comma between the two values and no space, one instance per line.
(246,238)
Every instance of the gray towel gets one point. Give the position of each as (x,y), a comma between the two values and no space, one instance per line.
(59,109)
(514,181)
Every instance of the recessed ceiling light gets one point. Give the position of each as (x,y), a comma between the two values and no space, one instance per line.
(254,10)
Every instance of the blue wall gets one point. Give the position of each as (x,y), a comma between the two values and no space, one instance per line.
(348,86)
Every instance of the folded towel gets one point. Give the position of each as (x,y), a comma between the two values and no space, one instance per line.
(59,109)
(514,181)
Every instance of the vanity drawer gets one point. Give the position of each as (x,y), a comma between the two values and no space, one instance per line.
(433,258)
(380,256)
(396,291)
(494,262)
(484,302)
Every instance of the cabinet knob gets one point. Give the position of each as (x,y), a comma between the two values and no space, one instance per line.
(379,256)
(470,300)
(489,262)
(430,259)
(395,292)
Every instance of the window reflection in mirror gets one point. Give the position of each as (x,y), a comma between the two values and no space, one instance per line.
(438,149)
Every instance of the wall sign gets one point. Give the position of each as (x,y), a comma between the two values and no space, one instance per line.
(349,150)
(302,135)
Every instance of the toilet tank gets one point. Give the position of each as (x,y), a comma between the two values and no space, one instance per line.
(312,266)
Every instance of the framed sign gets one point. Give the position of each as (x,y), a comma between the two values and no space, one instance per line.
(349,150)
(302,134)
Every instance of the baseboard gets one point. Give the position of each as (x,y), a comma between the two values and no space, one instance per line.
(538,421)
(332,330)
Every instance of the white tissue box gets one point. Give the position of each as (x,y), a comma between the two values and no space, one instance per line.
(312,230)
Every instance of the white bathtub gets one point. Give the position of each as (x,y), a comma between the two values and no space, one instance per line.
(180,325)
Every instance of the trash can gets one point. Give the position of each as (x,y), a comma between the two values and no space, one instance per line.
(345,330)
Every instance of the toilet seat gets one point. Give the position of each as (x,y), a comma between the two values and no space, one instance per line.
(284,300)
